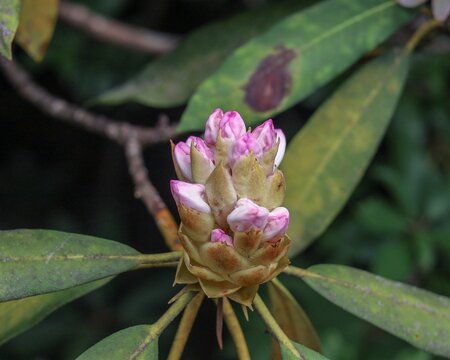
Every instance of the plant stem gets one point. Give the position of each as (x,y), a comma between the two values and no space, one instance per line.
(423,30)
(235,331)
(185,327)
(274,328)
(172,312)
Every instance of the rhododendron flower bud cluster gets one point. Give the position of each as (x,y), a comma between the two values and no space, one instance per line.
(229,196)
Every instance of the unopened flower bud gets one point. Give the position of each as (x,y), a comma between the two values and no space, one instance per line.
(201,146)
(281,147)
(265,135)
(212,127)
(247,216)
(218,235)
(190,195)
(245,145)
(277,224)
(232,126)
(182,158)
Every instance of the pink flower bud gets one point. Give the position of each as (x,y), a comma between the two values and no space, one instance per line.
(201,146)
(281,147)
(244,146)
(247,216)
(277,224)
(265,135)
(182,156)
(218,235)
(232,126)
(190,195)
(212,127)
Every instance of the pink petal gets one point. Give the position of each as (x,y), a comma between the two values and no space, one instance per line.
(244,146)
(212,127)
(247,216)
(190,195)
(441,9)
(281,147)
(182,156)
(218,235)
(201,146)
(411,3)
(232,126)
(265,135)
(277,224)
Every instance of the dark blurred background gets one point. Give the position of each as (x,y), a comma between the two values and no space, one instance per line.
(56,176)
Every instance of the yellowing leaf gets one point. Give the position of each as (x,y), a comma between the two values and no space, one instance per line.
(37,22)
(327,158)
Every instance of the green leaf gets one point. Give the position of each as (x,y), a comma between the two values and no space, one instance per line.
(291,60)
(415,315)
(291,318)
(37,22)
(40,261)
(30,311)
(9,20)
(327,158)
(135,343)
(306,353)
(138,342)
(171,79)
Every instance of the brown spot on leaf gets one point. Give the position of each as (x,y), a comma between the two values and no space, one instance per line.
(271,80)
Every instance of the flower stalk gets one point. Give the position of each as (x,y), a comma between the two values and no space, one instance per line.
(185,327)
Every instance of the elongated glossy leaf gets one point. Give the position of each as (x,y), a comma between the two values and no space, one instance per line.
(17,316)
(37,22)
(295,57)
(135,343)
(172,79)
(291,318)
(307,354)
(415,315)
(40,261)
(327,158)
(9,20)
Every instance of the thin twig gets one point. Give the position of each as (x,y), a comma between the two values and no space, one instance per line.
(235,330)
(185,327)
(132,137)
(149,195)
(63,110)
(113,31)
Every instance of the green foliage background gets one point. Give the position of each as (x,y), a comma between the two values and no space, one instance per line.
(396,224)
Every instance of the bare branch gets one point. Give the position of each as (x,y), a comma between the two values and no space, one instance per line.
(61,109)
(125,35)
(149,195)
(132,137)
